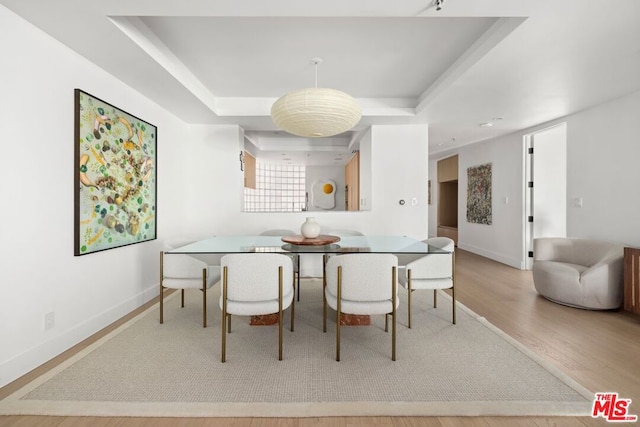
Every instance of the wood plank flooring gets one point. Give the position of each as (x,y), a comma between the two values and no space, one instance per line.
(601,350)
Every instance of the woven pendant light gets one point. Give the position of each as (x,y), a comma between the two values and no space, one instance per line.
(316,112)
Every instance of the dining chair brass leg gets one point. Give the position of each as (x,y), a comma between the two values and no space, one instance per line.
(293,306)
(297,273)
(204,297)
(435,298)
(161,288)
(224,315)
(324,296)
(409,291)
(386,322)
(453,300)
(453,284)
(394,289)
(338,312)
(280,313)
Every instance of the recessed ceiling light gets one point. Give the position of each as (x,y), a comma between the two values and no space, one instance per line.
(485,125)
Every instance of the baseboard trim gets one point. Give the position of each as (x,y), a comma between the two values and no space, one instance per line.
(25,362)
(515,263)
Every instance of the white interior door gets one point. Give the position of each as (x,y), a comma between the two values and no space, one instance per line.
(546,186)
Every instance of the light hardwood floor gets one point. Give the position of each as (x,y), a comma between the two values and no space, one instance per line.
(601,350)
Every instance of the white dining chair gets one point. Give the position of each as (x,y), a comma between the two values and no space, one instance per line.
(363,284)
(294,257)
(432,271)
(344,233)
(180,271)
(256,284)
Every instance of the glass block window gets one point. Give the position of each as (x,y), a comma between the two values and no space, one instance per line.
(279,188)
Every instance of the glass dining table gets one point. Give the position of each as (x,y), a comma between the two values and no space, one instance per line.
(400,246)
(405,248)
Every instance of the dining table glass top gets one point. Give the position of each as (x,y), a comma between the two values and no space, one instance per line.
(346,244)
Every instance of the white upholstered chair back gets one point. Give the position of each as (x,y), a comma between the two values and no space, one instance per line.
(343,233)
(366,277)
(278,232)
(254,277)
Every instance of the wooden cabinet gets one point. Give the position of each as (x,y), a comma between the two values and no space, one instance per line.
(249,170)
(632,280)
(448,169)
(352,184)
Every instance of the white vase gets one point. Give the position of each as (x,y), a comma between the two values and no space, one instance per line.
(310,228)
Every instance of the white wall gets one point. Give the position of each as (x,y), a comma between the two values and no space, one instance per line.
(602,168)
(38,272)
(502,240)
(366,177)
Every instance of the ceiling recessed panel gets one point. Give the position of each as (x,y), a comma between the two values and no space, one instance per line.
(366,57)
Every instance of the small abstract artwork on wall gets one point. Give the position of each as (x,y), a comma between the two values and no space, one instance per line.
(479,194)
(114,177)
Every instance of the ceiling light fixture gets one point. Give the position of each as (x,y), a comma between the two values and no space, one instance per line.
(316,112)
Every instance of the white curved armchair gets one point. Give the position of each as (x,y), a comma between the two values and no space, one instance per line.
(362,284)
(256,284)
(432,271)
(179,271)
(583,273)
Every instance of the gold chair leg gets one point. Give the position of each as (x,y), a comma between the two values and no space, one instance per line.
(223,340)
(453,299)
(280,313)
(394,289)
(324,296)
(453,285)
(338,312)
(204,297)
(409,292)
(161,288)
(293,306)
(297,274)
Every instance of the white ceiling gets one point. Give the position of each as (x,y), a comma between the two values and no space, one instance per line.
(512,63)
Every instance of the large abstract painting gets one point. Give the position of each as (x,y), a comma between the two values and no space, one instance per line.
(479,194)
(115,177)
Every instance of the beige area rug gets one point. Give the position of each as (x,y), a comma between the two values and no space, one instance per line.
(147,369)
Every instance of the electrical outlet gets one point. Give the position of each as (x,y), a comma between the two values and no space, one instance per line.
(49,320)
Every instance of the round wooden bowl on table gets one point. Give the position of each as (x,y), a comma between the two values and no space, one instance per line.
(321,240)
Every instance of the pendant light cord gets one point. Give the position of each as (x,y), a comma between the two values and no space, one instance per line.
(316,61)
